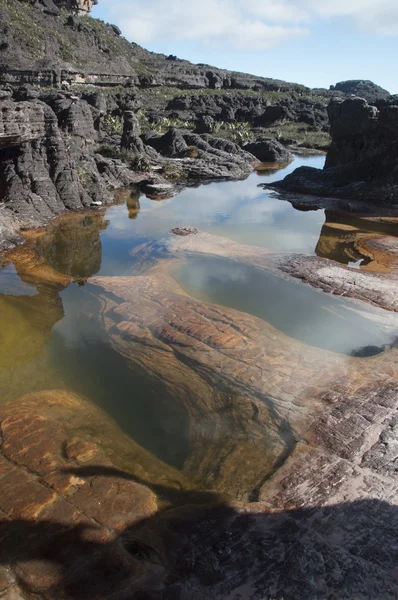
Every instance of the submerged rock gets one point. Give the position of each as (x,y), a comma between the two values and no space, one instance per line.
(220,365)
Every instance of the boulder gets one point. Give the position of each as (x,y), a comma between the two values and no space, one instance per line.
(361,163)
(268,150)
(131,134)
(171,144)
(115,29)
(205,124)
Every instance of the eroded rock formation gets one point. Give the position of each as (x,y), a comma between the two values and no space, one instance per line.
(309,434)
(47,162)
(362,88)
(79,7)
(362,159)
(225,367)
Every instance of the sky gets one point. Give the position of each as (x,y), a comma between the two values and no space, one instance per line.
(313,42)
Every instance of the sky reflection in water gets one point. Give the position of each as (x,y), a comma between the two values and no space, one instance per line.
(49,341)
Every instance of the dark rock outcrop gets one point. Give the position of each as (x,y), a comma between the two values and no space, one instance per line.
(362,160)
(363,88)
(268,150)
(205,124)
(47,162)
(171,144)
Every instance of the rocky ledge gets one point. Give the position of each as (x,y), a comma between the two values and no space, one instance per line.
(56,154)
(362,160)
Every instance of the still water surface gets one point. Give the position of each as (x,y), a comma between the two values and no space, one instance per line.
(48,339)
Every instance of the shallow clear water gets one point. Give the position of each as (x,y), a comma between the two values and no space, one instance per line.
(49,340)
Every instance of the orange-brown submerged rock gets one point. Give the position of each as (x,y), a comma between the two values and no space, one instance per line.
(249,391)
(63,501)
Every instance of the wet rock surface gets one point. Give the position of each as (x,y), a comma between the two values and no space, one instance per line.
(88,513)
(63,502)
(235,368)
(47,163)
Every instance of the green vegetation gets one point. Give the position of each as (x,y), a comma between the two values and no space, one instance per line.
(288,133)
(136,162)
(172,171)
(166,94)
(238,132)
(192,152)
(162,124)
(112,124)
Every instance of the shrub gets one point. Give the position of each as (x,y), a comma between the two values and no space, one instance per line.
(109,151)
(138,162)
(172,171)
(112,124)
(192,152)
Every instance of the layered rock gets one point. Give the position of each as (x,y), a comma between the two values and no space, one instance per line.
(314,432)
(79,7)
(65,498)
(47,162)
(226,369)
(85,51)
(361,162)
(268,151)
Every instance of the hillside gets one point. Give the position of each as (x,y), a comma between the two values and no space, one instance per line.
(38,47)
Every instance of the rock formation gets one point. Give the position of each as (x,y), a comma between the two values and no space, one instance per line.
(268,151)
(79,7)
(217,366)
(361,88)
(361,162)
(311,435)
(48,163)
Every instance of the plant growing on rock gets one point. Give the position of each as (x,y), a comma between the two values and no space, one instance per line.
(109,151)
(139,162)
(172,171)
(112,124)
(237,131)
(192,152)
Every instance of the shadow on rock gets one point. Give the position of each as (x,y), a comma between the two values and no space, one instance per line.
(210,551)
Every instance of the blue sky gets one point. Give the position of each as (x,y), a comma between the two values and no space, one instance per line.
(314,42)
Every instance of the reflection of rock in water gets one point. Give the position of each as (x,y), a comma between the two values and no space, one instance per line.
(72,245)
(248,390)
(133,205)
(26,324)
(345,238)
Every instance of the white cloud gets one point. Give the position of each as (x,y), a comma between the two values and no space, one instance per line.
(238,23)
(243,24)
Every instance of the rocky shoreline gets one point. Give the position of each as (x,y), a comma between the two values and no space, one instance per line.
(104,113)
(88,513)
(361,161)
(286,485)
